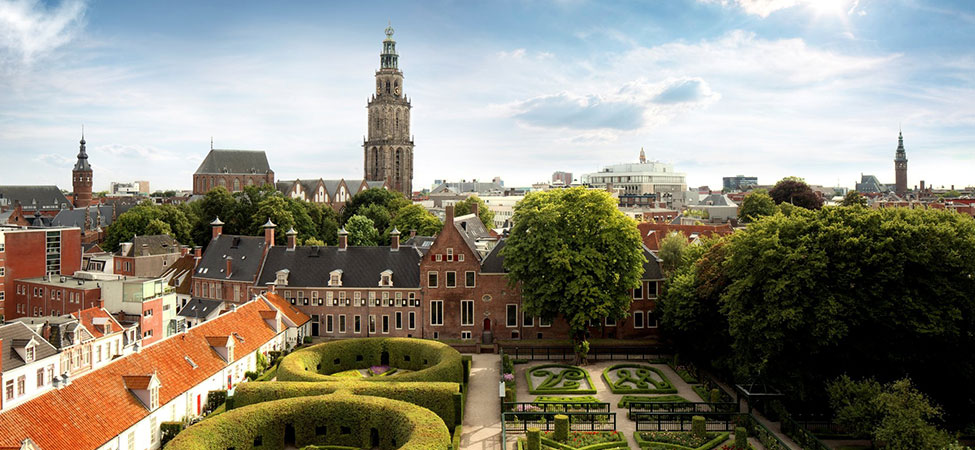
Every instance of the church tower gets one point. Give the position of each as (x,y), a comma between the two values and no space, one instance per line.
(900,167)
(389,147)
(81,177)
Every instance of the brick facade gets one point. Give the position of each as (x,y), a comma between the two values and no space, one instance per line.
(53,297)
(233,182)
(23,254)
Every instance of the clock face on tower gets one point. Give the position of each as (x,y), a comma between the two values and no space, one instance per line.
(379,88)
(396,91)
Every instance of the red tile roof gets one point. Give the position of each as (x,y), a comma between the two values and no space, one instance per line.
(97,407)
(293,314)
(653,233)
(137,382)
(87,318)
(219,341)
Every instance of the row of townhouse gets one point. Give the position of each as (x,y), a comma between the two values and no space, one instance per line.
(452,286)
(125,401)
(330,192)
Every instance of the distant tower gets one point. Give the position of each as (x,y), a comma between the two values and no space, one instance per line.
(81,177)
(389,148)
(900,167)
(643,156)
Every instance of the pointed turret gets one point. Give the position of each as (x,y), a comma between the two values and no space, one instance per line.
(900,167)
(81,176)
(643,156)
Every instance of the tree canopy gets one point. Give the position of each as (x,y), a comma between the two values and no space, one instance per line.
(361,231)
(416,217)
(854,198)
(574,255)
(464,207)
(392,201)
(148,219)
(755,205)
(794,190)
(671,248)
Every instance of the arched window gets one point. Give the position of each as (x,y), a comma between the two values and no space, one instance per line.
(222,182)
(387,87)
(236,184)
(249,182)
(397,122)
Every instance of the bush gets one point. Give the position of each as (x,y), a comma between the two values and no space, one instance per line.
(335,419)
(715,395)
(627,399)
(638,379)
(261,362)
(534,439)
(250,375)
(741,437)
(561,428)
(455,442)
(306,340)
(699,426)
(427,360)
(169,430)
(568,380)
(215,399)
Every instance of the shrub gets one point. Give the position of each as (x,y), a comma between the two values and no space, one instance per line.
(261,362)
(741,438)
(215,399)
(169,430)
(455,442)
(627,399)
(637,379)
(566,380)
(250,375)
(715,395)
(306,340)
(699,426)
(534,439)
(427,360)
(561,428)
(336,419)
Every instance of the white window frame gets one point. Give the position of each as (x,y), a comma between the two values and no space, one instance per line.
(541,323)
(610,322)
(639,314)
(372,324)
(474,273)
(649,313)
(411,320)
(641,296)
(385,325)
(466,335)
(357,324)
(436,278)
(435,307)
(508,323)
(466,305)
(329,323)
(527,320)
(398,320)
(342,324)
(446,279)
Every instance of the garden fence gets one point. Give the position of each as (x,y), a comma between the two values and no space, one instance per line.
(682,421)
(555,407)
(595,353)
(520,422)
(702,407)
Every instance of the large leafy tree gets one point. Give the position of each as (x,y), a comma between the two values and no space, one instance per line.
(574,255)
(361,231)
(392,201)
(463,208)
(416,217)
(755,205)
(854,198)
(671,248)
(869,292)
(794,190)
(381,219)
(149,219)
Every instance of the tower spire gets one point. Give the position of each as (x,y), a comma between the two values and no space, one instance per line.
(643,156)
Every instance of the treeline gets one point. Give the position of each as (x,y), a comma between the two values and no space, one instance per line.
(368,217)
(802,297)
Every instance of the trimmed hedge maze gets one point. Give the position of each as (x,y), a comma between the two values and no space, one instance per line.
(559,379)
(309,406)
(637,379)
(335,419)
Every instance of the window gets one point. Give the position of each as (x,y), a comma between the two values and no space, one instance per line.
(439,257)
(357,325)
(651,319)
(638,292)
(21,385)
(147,334)
(653,289)
(147,313)
(30,353)
(386,299)
(131,440)
(469,278)
(432,279)
(451,280)
(399,320)
(357,298)
(40,377)
(436,312)
(152,428)
(50,373)
(529,321)
(610,321)
(466,313)
(372,324)
(387,280)
(385,324)
(413,301)
(460,257)
(466,335)
(342,323)
(411,320)
(10,389)
(512,315)
(328,323)
(543,322)
(637,319)
(450,254)
(1,271)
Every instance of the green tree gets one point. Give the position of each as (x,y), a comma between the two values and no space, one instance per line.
(908,417)
(361,231)
(855,405)
(218,203)
(391,200)
(156,226)
(794,190)
(314,242)
(148,219)
(416,217)
(671,247)
(275,209)
(854,198)
(464,207)
(574,255)
(755,205)
(381,219)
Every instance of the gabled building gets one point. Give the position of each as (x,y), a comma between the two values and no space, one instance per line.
(72,340)
(110,337)
(35,252)
(334,193)
(232,169)
(146,256)
(29,366)
(230,265)
(43,200)
(124,403)
(199,310)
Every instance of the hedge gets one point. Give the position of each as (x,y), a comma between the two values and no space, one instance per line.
(627,399)
(662,386)
(169,430)
(335,419)
(455,442)
(427,360)
(438,397)
(562,384)
(721,437)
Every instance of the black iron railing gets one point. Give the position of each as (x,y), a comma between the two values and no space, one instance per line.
(563,353)
(520,422)
(640,407)
(555,407)
(683,421)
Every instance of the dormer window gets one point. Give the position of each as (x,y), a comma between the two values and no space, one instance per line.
(386,278)
(335,278)
(223,345)
(154,398)
(29,354)
(145,388)
(281,277)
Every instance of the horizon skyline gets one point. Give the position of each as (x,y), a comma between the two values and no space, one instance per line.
(715,87)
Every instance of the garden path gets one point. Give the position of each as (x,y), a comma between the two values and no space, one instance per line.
(482,416)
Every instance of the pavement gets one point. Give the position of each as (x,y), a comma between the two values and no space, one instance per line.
(482,412)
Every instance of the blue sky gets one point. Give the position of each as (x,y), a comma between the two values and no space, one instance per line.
(769,88)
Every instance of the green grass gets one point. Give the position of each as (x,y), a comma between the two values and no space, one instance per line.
(626,399)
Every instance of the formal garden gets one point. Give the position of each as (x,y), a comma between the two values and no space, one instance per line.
(371,393)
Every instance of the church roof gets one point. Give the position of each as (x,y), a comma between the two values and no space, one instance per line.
(34,197)
(235,161)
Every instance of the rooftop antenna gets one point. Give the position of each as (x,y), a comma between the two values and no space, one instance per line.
(211,142)
(82,131)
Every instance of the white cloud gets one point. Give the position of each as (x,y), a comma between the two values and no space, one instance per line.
(29,29)
(764,8)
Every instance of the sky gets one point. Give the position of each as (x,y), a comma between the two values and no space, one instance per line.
(517,89)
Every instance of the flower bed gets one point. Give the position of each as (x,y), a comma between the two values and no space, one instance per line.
(559,379)
(581,440)
(637,379)
(678,440)
(626,399)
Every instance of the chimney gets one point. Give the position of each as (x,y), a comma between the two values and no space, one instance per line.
(268,233)
(343,239)
(413,233)
(448,214)
(394,240)
(922,185)
(229,266)
(474,209)
(216,226)
(145,249)
(292,237)
(197,256)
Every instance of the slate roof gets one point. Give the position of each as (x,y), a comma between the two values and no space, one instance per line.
(51,419)
(283,186)
(200,308)
(717,200)
(101,216)
(651,268)
(376,184)
(20,332)
(421,243)
(468,186)
(332,187)
(356,185)
(494,262)
(361,266)
(90,316)
(157,244)
(471,229)
(30,197)
(235,161)
(246,251)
